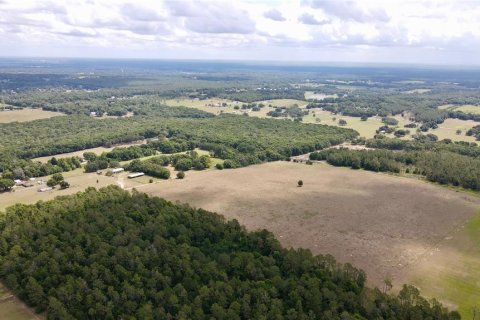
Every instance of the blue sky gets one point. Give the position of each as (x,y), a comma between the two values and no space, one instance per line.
(425,32)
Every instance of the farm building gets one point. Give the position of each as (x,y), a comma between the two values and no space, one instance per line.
(135,175)
(45,189)
(117,170)
(26,184)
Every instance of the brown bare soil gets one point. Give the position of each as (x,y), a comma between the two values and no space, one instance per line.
(380,223)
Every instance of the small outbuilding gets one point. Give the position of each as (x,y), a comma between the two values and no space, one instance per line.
(117,170)
(135,175)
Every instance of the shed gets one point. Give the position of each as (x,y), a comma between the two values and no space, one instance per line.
(135,175)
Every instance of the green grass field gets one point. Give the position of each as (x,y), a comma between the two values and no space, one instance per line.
(453,274)
(313,95)
(448,130)
(365,128)
(467,108)
(25,115)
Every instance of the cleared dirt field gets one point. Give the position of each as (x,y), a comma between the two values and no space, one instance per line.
(25,115)
(11,308)
(382,224)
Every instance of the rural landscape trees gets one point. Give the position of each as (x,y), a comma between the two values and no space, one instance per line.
(67,257)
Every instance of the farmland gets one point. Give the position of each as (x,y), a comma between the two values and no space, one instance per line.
(394,226)
(448,130)
(25,115)
(98,151)
(366,129)
(369,214)
(468,108)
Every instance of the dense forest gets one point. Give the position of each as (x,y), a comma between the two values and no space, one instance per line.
(109,254)
(243,140)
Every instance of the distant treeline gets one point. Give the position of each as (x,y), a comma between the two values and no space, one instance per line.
(437,166)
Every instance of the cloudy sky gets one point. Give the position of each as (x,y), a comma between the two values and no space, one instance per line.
(432,32)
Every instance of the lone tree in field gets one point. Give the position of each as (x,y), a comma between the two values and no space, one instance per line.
(342,122)
(300,183)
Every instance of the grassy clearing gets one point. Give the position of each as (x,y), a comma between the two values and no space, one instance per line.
(284,102)
(448,129)
(420,91)
(467,108)
(25,115)
(365,128)
(215,105)
(319,96)
(209,105)
(452,274)
(98,151)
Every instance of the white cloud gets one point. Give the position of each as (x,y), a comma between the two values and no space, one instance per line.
(444,31)
(274,14)
(308,18)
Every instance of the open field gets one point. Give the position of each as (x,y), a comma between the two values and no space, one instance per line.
(417,91)
(11,308)
(98,151)
(365,128)
(214,105)
(467,108)
(380,223)
(284,102)
(452,271)
(447,130)
(318,96)
(25,115)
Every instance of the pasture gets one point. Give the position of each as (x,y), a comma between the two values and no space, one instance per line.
(216,107)
(318,96)
(364,128)
(467,108)
(25,115)
(452,270)
(384,224)
(97,150)
(448,130)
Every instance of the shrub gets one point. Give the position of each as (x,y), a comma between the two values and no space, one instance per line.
(180,175)
(64,185)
